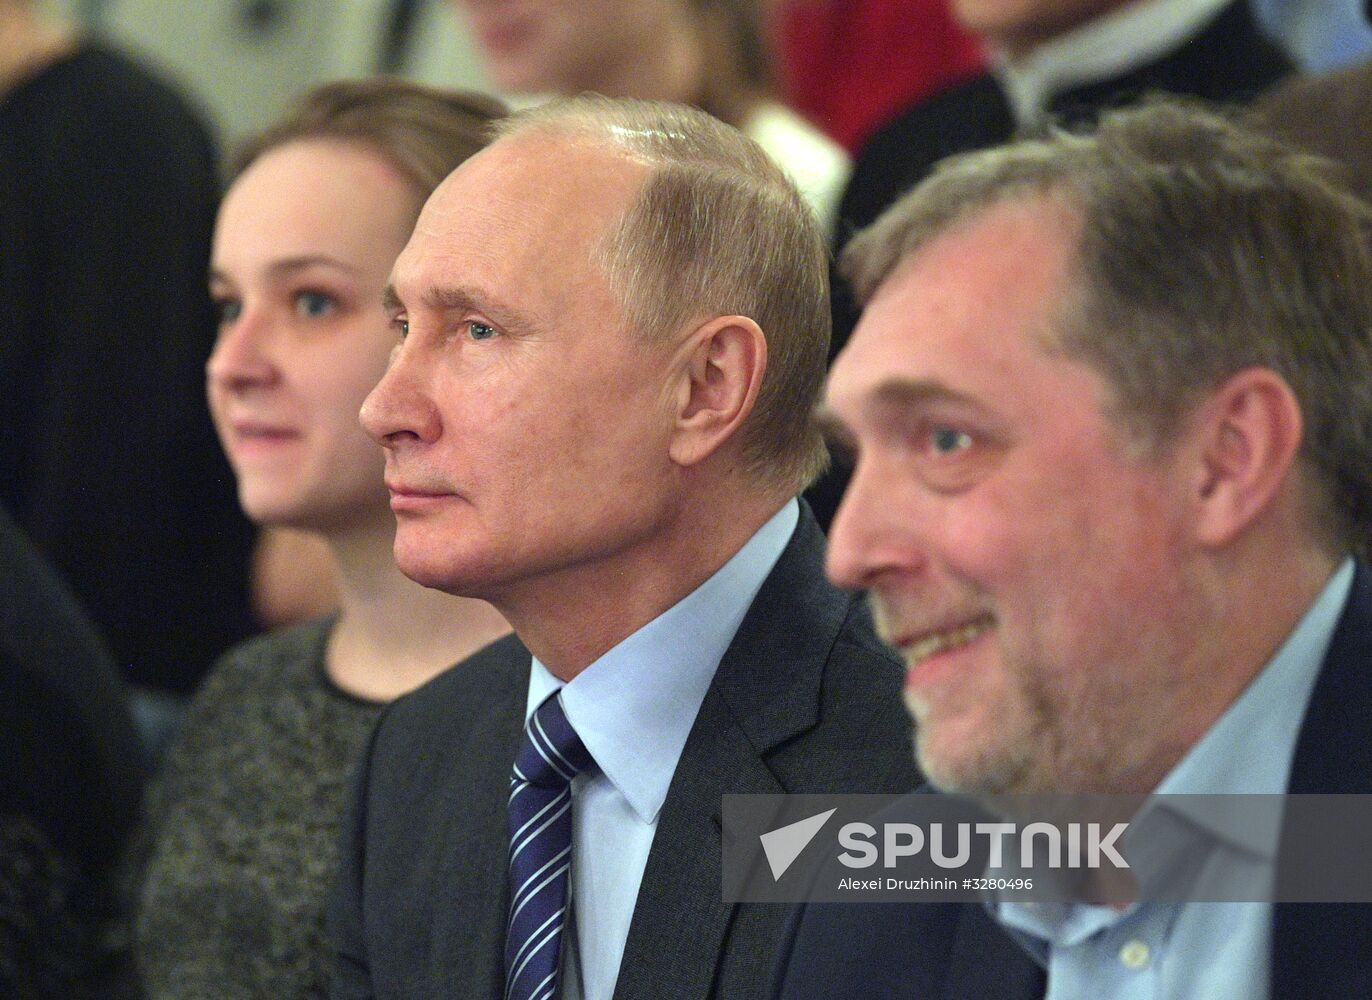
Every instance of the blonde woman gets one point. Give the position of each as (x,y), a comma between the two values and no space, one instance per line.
(244,820)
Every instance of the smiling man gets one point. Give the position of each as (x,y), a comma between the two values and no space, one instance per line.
(613,328)
(1113,436)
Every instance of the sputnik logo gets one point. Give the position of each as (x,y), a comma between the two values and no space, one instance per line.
(784,844)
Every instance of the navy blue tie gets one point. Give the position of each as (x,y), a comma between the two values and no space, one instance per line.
(540,850)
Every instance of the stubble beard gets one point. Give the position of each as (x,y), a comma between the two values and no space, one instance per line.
(1003,764)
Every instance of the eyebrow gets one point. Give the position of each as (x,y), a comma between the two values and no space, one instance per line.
(462,298)
(831,425)
(290,265)
(907,394)
(889,399)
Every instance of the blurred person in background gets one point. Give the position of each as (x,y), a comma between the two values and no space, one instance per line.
(850,65)
(1062,61)
(244,818)
(1329,114)
(70,782)
(108,189)
(292,577)
(1321,35)
(712,54)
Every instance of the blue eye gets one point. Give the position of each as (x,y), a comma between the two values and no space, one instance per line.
(228,310)
(401,327)
(479,330)
(311,305)
(947,440)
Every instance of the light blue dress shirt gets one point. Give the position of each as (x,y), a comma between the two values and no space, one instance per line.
(1219,951)
(634,708)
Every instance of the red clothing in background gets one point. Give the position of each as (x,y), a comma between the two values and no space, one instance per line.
(849,65)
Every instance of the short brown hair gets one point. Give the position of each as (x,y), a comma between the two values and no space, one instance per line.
(424,132)
(716,230)
(1205,248)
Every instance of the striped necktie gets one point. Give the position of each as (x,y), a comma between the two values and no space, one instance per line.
(540,850)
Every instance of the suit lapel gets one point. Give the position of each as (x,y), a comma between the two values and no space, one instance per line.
(1326,950)
(765,692)
(473,868)
(986,962)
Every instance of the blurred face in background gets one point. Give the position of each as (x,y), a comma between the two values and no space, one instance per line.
(1019,25)
(567,46)
(302,249)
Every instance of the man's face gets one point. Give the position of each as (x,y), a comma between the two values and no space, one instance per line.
(1028,566)
(1019,25)
(561,46)
(526,430)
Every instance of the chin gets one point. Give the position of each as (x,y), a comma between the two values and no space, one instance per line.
(443,573)
(976,770)
(268,512)
(425,576)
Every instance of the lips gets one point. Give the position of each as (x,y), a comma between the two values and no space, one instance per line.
(411,498)
(256,435)
(398,488)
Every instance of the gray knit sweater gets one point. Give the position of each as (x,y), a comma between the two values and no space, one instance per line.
(244,824)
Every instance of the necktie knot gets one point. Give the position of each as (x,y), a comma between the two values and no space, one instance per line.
(552,753)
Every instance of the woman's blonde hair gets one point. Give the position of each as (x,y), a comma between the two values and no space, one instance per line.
(423,131)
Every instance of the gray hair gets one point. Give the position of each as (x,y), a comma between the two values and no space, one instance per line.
(716,230)
(1205,248)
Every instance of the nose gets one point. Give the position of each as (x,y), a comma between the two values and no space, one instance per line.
(239,360)
(874,532)
(400,408)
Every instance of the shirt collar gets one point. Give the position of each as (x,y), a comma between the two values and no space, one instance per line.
(634,707)
(1106,47)
(1248,750)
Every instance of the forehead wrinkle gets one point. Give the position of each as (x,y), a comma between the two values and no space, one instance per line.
(470,224)
(503,233)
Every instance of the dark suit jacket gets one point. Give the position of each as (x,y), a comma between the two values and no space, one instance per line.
(805,700)
(956,951)
(109,183)
(71,781)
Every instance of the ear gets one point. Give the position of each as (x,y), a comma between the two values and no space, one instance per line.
(722,373)
(1250,432)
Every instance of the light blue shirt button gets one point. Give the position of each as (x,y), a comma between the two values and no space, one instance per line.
(1135,955)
